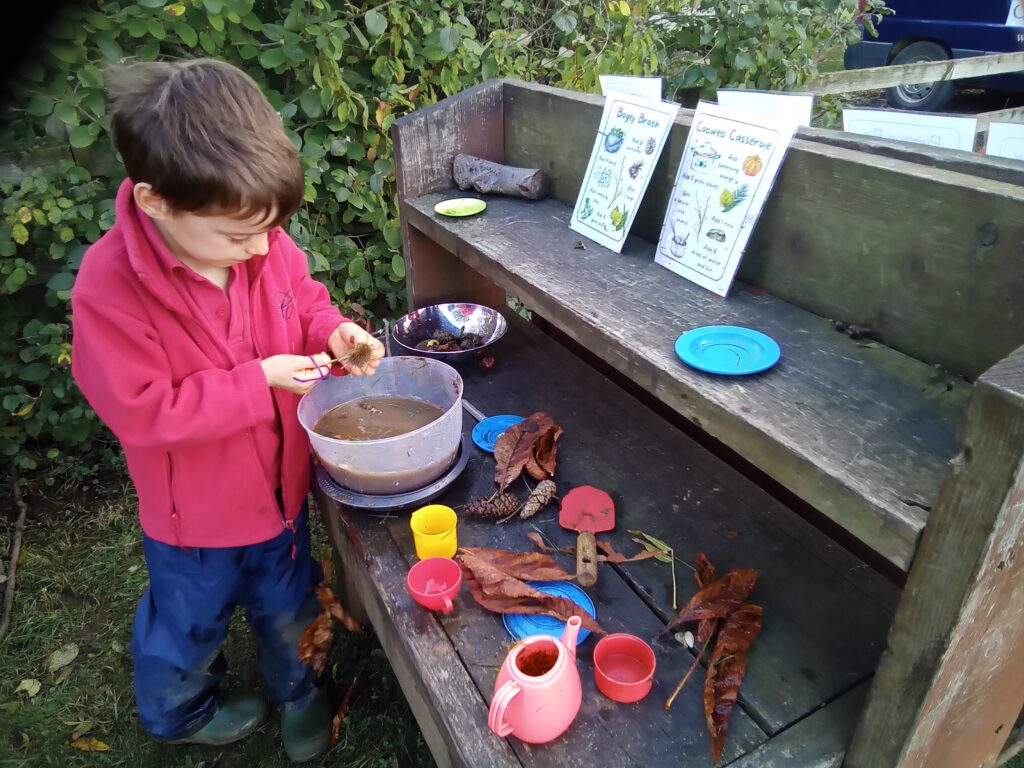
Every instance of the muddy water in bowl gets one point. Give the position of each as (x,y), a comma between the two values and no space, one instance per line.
(374,418)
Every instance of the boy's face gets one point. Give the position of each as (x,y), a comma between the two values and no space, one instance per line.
(205,240)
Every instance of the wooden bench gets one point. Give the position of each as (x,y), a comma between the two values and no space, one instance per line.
(909,444)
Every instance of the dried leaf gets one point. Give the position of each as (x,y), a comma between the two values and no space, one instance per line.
(654,540)
(718,599)
(726,670)
(704,574)
(659,554)
(531,566)
(90,745)
(515,448)
(316,642)
(539,498)
(62,657)
(502,592)
(339,716)
(538,541)
(30,686)
(81,729)
(610,555)
(330,604)
(545,454)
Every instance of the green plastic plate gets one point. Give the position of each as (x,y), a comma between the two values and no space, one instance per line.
(460,206)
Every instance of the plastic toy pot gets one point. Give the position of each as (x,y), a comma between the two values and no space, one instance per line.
(434,582)
(537,694)
(623,667)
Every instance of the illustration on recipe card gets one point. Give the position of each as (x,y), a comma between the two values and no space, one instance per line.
(729,165)
(631,137)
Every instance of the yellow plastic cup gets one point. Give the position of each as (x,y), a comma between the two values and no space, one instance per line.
(433,531)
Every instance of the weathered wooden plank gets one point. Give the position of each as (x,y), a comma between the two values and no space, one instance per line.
(426,142)
(1012,115)
(873,78)
(440,691)
(951,683)
(896,246)
(859,432)
(818,741)
(1015,743)
(823,627)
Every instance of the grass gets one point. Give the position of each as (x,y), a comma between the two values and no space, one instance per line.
(78,580)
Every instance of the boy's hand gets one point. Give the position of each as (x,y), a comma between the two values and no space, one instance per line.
(345,337)
(283,371)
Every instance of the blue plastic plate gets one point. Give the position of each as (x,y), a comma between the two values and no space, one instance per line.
(520,625)
(487,432)
(727,349)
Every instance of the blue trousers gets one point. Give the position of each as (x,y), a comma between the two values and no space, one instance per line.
(182,620)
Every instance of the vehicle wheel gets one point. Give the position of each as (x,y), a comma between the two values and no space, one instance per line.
(925,97)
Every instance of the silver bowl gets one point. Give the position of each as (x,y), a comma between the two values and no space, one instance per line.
(457,319)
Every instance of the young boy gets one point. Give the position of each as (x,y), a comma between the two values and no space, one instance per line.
(196,328)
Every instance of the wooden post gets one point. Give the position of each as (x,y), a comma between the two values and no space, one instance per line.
(426,143)
(951,682)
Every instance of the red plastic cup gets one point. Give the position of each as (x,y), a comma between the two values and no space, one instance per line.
(433,583)
(623,667)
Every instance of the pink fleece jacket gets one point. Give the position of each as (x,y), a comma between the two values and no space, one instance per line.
(170,392)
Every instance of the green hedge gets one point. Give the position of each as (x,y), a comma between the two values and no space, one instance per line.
(338,72)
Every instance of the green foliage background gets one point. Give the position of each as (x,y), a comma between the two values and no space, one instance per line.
(339,73)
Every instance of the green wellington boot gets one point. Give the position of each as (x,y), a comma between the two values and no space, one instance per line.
(306,732)
(239,715)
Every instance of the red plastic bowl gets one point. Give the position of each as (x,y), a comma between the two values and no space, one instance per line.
(623,667)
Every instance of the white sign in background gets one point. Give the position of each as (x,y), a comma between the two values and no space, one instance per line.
(642,87)
(629,142)
(794,107)
(729,165)
(1005,140)
(931,130)
(1015,18)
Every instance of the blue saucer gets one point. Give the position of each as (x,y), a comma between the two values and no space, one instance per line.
(487,432)
(727,349)
(520,625)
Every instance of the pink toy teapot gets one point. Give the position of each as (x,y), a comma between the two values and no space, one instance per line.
(537,693)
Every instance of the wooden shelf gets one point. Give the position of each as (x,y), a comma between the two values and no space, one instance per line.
(860,431)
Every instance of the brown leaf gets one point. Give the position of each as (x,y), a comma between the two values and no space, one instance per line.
(516,448)
(90,745)
(726,670)
(521,565)
(502,592)
(316,642)
(330,604)
(704,574)
(718,599)
(539,543)
(339,716)
(610,555)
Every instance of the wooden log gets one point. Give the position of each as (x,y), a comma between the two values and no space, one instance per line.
(484,176)
(951,684)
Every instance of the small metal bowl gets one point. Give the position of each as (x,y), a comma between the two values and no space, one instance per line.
(457,319)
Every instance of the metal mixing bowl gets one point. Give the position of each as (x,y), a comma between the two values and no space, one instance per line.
(457,319)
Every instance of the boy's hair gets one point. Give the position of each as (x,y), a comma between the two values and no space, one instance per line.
(205,137)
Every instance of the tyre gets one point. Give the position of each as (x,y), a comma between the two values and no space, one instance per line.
(924,97)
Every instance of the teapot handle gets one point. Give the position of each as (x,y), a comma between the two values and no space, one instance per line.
(496,715)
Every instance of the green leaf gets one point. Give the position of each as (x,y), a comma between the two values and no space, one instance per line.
(19,233)
(744,60)
(151,3)
(62,281)
(376,23)
(66,113)
(111,50)
(187,34)
(30,686)
(213,6)
(156,29)
(217,22)
(83,136)
(310,103)
(90,76)
(655,541)
(35,372)
(565,21)
(273,32)
(488,67)
(356,266)
(149,51)
(62,657)
(40,106)
(272,58)
(398,266)
(450,38)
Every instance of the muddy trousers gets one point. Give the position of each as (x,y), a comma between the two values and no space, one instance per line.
(182,621)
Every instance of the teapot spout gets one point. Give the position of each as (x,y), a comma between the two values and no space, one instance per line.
(572,630)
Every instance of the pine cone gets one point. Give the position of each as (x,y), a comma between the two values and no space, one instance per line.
(539,498)
(501,506)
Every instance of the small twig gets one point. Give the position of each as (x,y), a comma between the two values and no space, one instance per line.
(12,560)
(696,662)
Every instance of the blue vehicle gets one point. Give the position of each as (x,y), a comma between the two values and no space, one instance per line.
(934,30)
